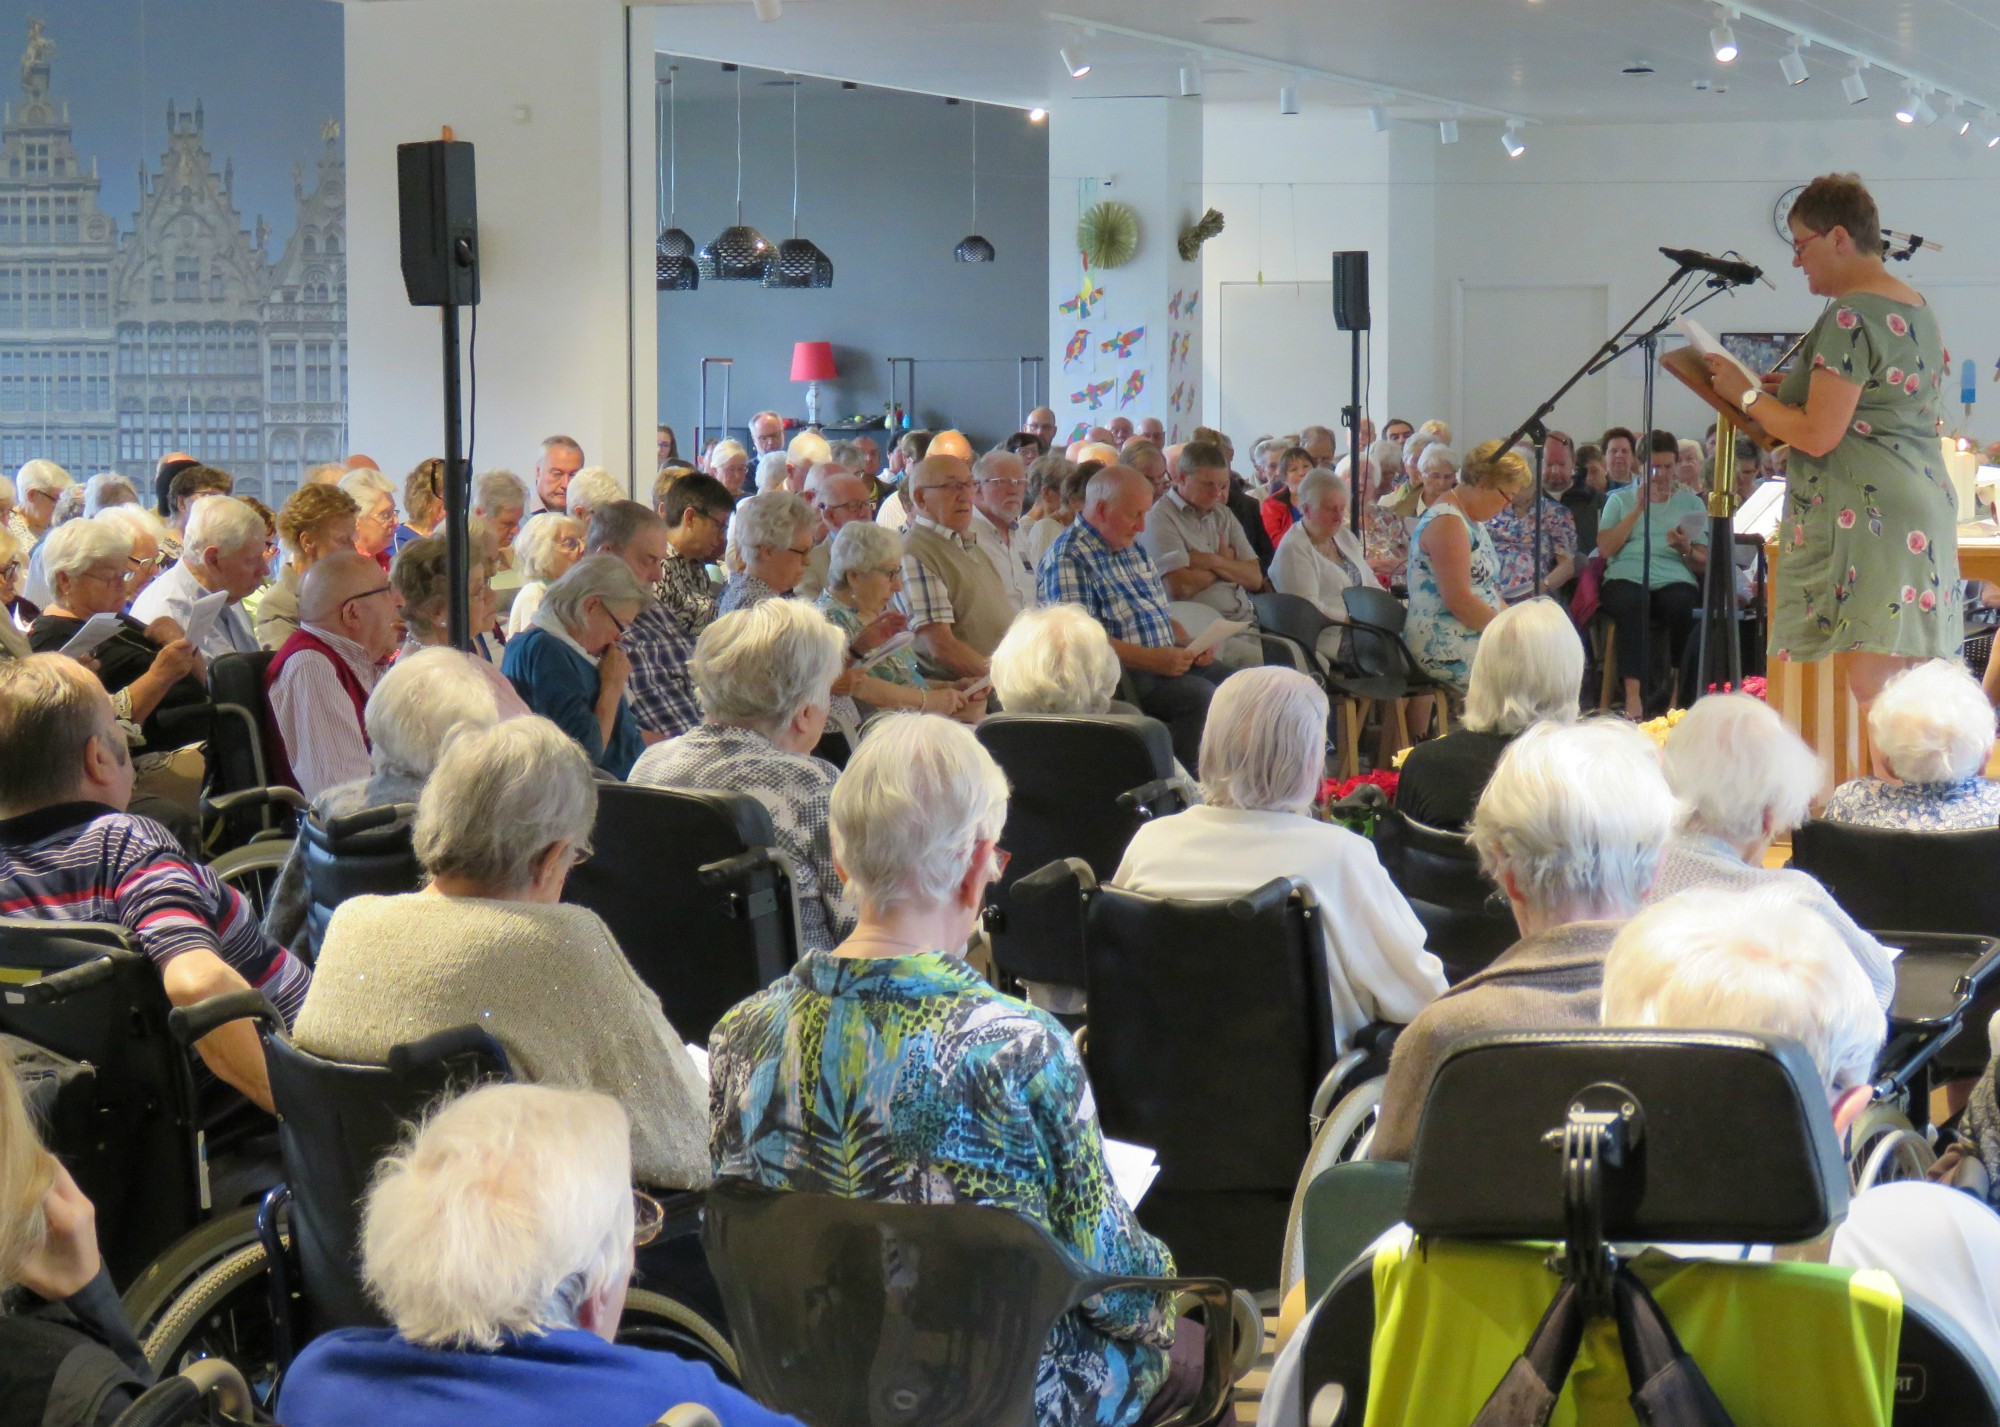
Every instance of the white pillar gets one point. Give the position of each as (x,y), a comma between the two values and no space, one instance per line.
(557,100)
(1145,153)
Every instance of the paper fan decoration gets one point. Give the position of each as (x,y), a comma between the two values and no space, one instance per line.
(1108,234)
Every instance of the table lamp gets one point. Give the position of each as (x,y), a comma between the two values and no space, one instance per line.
(812,363)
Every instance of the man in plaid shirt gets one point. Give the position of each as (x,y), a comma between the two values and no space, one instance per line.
(1098,563)
(659,646)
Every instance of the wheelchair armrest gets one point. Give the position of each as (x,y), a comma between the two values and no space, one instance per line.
(1267,898)
(452,1043)
(1980,975)
(1070,872)
(191,1023)
(1157,799)
(688,1414)
(245,798)
(368,819)
(184,719)
(1351,1060)
(719,876)
(59,985)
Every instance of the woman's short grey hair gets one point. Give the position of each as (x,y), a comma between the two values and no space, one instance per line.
(1739,772)
(724,451)
(224,523)
(760,667)
(1528,668)
(422,579)
(1933,723)
(1437,458)
(1577,815)
(861,546)
(529,768)
(500,490)
(916,799)
(364,484)
(135,521)
(42,475)
(772,520)
(605,578)
(772,469)
(1055,659)
(1758,960)
(509,1207)
(1413,449)
(424,698)
(593,488)
(1263,748)
(73,548)
(1387,458)
(536,544)
(1318,485)
(105,490)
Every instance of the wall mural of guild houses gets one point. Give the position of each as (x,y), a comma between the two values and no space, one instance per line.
(177,333)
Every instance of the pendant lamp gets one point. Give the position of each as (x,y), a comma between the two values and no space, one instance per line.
(674,269)
(973,248)
(798,262)
(738,253)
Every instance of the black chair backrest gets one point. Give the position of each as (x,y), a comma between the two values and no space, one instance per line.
(1210,1028)
(1067,773)
(1466,923)
(1293,618)
(702,943)
(83,991)
(1374,653)
(855,1312)
(236,743)
(1887,879)
(335,1122)
(360,853)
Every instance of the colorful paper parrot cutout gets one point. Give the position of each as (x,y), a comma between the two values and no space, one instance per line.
(1134,384)
(1122,344)
(1087,297)
(1174,307)
(1078,432)
(1076,347)
(1194,299)
(1179,397)
(1092,395)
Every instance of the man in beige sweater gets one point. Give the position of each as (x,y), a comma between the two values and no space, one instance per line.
(959,608)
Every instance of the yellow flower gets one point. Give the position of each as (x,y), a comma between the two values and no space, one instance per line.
(1397,761)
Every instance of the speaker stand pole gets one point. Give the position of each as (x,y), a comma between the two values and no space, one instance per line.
(1352,416)
(458,609)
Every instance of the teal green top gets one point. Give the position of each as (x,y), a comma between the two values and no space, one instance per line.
(1629,562)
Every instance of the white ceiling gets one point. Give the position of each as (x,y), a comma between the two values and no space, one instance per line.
(1552,61)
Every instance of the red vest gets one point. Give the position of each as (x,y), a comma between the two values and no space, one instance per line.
(276,763)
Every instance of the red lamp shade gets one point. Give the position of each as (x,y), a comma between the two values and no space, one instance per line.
(812,362)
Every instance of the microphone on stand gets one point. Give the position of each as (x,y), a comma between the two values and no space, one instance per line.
(1731,272)
(1911,241)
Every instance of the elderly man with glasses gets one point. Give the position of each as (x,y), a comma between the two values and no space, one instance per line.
(320,680)
(959,604)
(999,489)
(839,495)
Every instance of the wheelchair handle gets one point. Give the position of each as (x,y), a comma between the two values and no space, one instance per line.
(368,819)
(191,1023)
(718,875)
(1053,878)
(1267,898)
(59,985)
(1156,799)
(255,798)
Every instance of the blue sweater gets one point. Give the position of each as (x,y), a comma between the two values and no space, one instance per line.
(561,685)
(568,1378)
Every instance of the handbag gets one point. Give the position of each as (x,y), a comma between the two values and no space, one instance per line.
(1589,589)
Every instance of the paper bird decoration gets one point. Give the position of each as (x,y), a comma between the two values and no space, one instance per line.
(1078,432)
(1092,395)
(1174,307)
(1087,297)
(1134,384)
(1076,346)
(1122,343)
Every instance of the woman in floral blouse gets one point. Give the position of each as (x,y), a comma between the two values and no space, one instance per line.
(1933,729)
(888,1069)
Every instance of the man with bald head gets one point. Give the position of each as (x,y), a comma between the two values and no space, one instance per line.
(1147,459)
(1098,564)
(838,495)
(1151,428)
(1041,425)
(318,685)
(896,507)
(958,604)
(1121,429)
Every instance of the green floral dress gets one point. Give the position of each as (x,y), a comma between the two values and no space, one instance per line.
(1870,536)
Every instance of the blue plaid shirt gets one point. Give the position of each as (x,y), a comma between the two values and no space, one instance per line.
(661,691)
(1120,588)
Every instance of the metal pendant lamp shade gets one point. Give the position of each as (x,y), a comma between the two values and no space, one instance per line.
(738,252)
(673,267)
(973,248)
(797,262)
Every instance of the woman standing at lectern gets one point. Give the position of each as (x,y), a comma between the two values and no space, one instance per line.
(1869,546)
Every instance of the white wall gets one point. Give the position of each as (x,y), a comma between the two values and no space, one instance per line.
(1585,207)
(542,90)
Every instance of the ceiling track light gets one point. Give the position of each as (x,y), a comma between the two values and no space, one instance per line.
(767,10)
(1853,86)
(1511,140)
(1288,99)
(1073,60)
(1378,118)
(1906,107)
(1926,115)
(1447,131)
(1793,65)
(1190,81)
(1722,39)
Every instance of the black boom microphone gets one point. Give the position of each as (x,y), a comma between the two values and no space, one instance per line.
(1728,269)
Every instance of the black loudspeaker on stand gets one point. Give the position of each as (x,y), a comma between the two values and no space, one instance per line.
(1350,314)
(439,209)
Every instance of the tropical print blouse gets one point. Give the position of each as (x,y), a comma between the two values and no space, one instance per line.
(909,1079)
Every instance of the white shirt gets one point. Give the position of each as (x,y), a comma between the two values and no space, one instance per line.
(1300,569)
(174,593)
(1376,965)
(323,739)
(893,512)
(1008,550)
(1939,1243)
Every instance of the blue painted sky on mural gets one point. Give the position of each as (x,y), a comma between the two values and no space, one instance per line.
(268,74)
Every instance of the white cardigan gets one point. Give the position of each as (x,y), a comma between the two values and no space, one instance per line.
(1376,965)
(1299,569)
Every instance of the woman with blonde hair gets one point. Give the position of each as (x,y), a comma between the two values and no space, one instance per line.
(1454,573)
(315,520)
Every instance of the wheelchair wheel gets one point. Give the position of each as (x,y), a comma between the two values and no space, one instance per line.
(655,1321)
(215,1305)
(1884,1148)
(1345,1134)
(253,870)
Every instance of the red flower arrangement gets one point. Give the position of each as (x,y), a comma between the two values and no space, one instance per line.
(1754,686)
(1334,789)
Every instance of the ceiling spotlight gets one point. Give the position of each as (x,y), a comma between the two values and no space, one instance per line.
(1074,62)
(1447,131)
(1723,39)
(1288,100)
(1925,113)
(767,10)
(1378,119)
(1961,124)
(1511,140)
(1190,81)
(1852,86)
(1985,134)
(1036,115)
(1793,65)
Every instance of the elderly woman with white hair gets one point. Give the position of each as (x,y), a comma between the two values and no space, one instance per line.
(1320,557)
(765,679)
(222,552)
(375,527)
(421,701)
(1743,778)
(1528,670)
(499,1240)
(568,665)
(41,484)
(490,942)
(1055,659)
(590,490)
(1933,727)
(1263,754)
(773,535)
(729,463)
(1570,828)
(421,579)
(543,552)
(773,471)
(956,1092)
(13,565)
(864,575)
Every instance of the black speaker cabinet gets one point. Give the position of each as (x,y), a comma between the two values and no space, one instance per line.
(440,223)
(1350,291)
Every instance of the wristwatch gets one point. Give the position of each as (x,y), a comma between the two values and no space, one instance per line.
(1750,398)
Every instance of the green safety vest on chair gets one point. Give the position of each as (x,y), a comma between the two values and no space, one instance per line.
(1781,1344)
